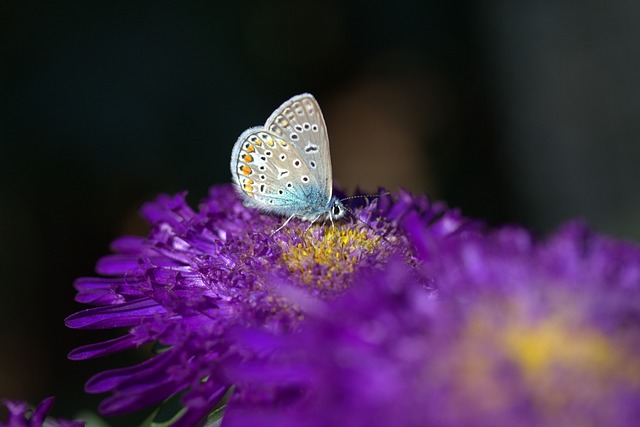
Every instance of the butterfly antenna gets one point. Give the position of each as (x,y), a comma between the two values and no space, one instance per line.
(353,214)
(365,196)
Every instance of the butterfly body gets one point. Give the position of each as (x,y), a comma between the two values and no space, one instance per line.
(284,167)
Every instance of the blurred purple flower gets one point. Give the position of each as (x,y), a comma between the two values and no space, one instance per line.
(513,333)
(21,415)
(200,274)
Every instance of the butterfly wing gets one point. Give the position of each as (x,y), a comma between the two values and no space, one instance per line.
(272,175)
(285,166)
(299,121)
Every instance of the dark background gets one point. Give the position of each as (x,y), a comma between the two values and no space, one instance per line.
(524,112)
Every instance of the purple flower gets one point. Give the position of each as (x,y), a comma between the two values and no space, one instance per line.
(200,274)
(21,415)
(513,332)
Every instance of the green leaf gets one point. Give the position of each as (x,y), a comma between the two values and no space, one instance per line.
(171,409)
(167,413)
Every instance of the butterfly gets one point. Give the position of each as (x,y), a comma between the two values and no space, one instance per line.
(284,167)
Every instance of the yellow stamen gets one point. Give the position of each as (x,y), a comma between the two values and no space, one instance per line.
(338,252)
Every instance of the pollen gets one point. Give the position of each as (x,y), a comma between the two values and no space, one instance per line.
(327,261)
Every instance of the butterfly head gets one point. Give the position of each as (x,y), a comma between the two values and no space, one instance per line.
(336,210)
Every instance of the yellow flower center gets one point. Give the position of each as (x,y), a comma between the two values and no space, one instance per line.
(562,360)
(326,261)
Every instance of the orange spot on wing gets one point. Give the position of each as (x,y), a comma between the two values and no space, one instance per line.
(250,149)
(282,122)
(247,158)
(246,170)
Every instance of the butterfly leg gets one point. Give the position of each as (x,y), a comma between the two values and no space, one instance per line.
(311,223)
(283,225)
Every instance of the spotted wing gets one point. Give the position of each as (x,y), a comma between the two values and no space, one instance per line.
(300,122)
(272,175)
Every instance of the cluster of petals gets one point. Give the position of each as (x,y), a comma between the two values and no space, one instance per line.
(22,415)
(203,273)
(493,329)
(406,313)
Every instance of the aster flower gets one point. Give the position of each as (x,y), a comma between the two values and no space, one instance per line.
(200,274)
(21,415)
(513,332)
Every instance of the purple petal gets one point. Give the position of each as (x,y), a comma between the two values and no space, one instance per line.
(120,404)
(103,348)
(98,290)
(114,378)
(129,245)
(114,265)
(126,314)
(41,411)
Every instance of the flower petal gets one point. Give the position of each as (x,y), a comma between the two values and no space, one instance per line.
(125,314)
